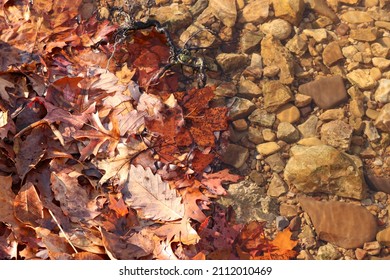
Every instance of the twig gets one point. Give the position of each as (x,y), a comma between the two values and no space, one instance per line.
(63,232)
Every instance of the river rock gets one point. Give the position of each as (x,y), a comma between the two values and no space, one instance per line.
(235,155)
(276,162)
(328,252)
(327,92)
(277,186)
(309,127)
(382,122)
(340,223)
(268,148)
(325,169)
(287,132)
(275,95)
(378,183)
(241,108)
(322,8)
(318,35)
(364,34)
(279,28)
(383,237)
(177,15)
(288,113)
(332,54)
(262,117)
(356,17)
(232,61)
(290,10)
(203,39)
(337,134)
(381,63)
(248,202)
(255,11)
(225,11)
(248,89)
(382,93)
(361,78)
(274,53)
(332,114)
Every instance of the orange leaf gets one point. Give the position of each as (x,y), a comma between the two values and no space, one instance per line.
(117,204)
(283,242)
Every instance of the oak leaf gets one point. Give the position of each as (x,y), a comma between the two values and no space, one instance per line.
(152,197)
(97,136)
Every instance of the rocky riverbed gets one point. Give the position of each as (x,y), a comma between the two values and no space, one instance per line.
(308,87)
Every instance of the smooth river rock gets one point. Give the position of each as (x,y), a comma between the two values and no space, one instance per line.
(343,224)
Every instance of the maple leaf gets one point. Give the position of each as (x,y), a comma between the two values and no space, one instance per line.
(284,245)
(153,198)
(97,136)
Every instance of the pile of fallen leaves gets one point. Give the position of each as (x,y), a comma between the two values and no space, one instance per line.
(96,162)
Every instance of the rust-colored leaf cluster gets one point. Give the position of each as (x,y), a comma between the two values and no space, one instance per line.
(96,162)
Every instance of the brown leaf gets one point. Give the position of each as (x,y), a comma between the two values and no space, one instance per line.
(214,181)
(152,197)
(117,204)
(133,246)
(53,242)
(7,197)
(178,232)
(97,136)
(73,198)
(28,206)
(118,166)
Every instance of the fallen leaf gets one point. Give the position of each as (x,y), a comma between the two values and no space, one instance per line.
(133,246)
(27,205)
(152,197)
(213,181)
(178,232)
(97,136)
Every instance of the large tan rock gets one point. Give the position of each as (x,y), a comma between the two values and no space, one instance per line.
(343,224)
(325,169)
